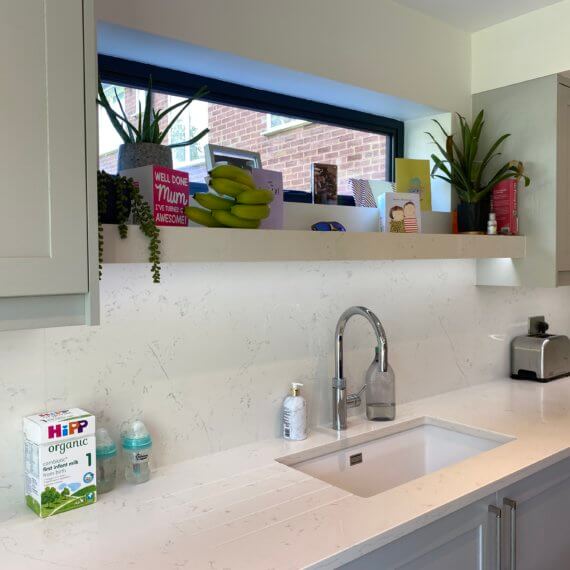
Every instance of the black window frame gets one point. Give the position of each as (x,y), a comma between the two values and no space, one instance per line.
(135,74)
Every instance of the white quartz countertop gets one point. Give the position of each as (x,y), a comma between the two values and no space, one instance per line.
(240,509)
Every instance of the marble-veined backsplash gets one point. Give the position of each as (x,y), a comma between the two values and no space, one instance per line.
(206,357)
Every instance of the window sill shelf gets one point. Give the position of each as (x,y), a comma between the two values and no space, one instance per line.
(184,245)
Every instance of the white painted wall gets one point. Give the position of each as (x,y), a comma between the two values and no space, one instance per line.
(530,46)
(372,44)
(418,145)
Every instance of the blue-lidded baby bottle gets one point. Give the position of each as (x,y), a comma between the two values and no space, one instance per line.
(106,451)
(137,443)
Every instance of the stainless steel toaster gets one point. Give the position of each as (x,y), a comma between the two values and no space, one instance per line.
(540,356)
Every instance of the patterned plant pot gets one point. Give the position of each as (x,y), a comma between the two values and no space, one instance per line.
(134,155)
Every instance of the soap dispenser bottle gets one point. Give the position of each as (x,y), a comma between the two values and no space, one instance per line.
(380,392)
(295,414)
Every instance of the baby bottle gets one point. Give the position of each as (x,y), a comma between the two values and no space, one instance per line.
(106,452)
(136,443)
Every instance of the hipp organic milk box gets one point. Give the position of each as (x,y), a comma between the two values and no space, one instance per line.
(59,455)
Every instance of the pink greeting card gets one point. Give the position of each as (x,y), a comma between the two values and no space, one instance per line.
(166,190)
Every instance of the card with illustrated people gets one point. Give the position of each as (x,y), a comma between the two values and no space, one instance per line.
(413,177)
(400,213)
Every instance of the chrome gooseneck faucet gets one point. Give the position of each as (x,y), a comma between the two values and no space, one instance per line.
(341,401)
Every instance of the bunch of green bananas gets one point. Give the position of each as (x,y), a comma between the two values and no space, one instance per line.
(236,202)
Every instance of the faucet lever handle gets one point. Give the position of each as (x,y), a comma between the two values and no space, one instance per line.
(354,400)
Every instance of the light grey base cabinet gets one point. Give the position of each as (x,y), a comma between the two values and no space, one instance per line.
(537,530)
(526,526)
(461,541)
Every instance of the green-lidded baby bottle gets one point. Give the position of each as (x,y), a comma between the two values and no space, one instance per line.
(106,452)
(137,444)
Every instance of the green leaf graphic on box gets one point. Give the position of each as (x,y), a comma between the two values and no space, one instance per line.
(33,504)
(85,491)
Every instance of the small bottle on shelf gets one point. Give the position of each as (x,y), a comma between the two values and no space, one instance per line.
(492,225)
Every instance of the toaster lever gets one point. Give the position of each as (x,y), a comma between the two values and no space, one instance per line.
(537,325)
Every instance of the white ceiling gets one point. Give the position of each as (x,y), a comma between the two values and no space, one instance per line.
(473,15)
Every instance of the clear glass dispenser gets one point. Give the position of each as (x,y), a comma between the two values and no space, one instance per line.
(380,392)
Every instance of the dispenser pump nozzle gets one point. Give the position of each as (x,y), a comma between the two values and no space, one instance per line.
(296,388)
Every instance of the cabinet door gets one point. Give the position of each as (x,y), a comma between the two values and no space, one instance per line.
(542,520)
(465,540)
(563,180)
(43,234)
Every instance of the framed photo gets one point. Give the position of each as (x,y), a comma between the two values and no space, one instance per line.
(324,183)
(242,158)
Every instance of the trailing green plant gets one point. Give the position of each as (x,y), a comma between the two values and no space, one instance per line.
(148,128)
(144,216)
(461,167)
(127,198)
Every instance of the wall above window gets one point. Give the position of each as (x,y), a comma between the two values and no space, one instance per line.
(136,45)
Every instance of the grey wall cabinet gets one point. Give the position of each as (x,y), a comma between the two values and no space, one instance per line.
(537,115)
(48,154)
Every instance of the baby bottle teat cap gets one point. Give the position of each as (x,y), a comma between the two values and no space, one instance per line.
(136,436)
(105,446)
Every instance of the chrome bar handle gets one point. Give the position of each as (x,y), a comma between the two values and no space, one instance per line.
(512,506)
(498,514)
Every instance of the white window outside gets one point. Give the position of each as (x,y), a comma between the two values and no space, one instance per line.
(109,140)
(189,124)
(279,123)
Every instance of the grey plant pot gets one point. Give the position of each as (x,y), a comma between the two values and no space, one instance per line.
(133,155)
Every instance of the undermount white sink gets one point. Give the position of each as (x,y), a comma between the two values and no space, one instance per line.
(371,463)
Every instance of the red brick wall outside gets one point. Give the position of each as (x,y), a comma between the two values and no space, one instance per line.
(357,154)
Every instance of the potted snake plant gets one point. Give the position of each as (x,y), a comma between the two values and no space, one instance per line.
(460,166)
(144,142)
